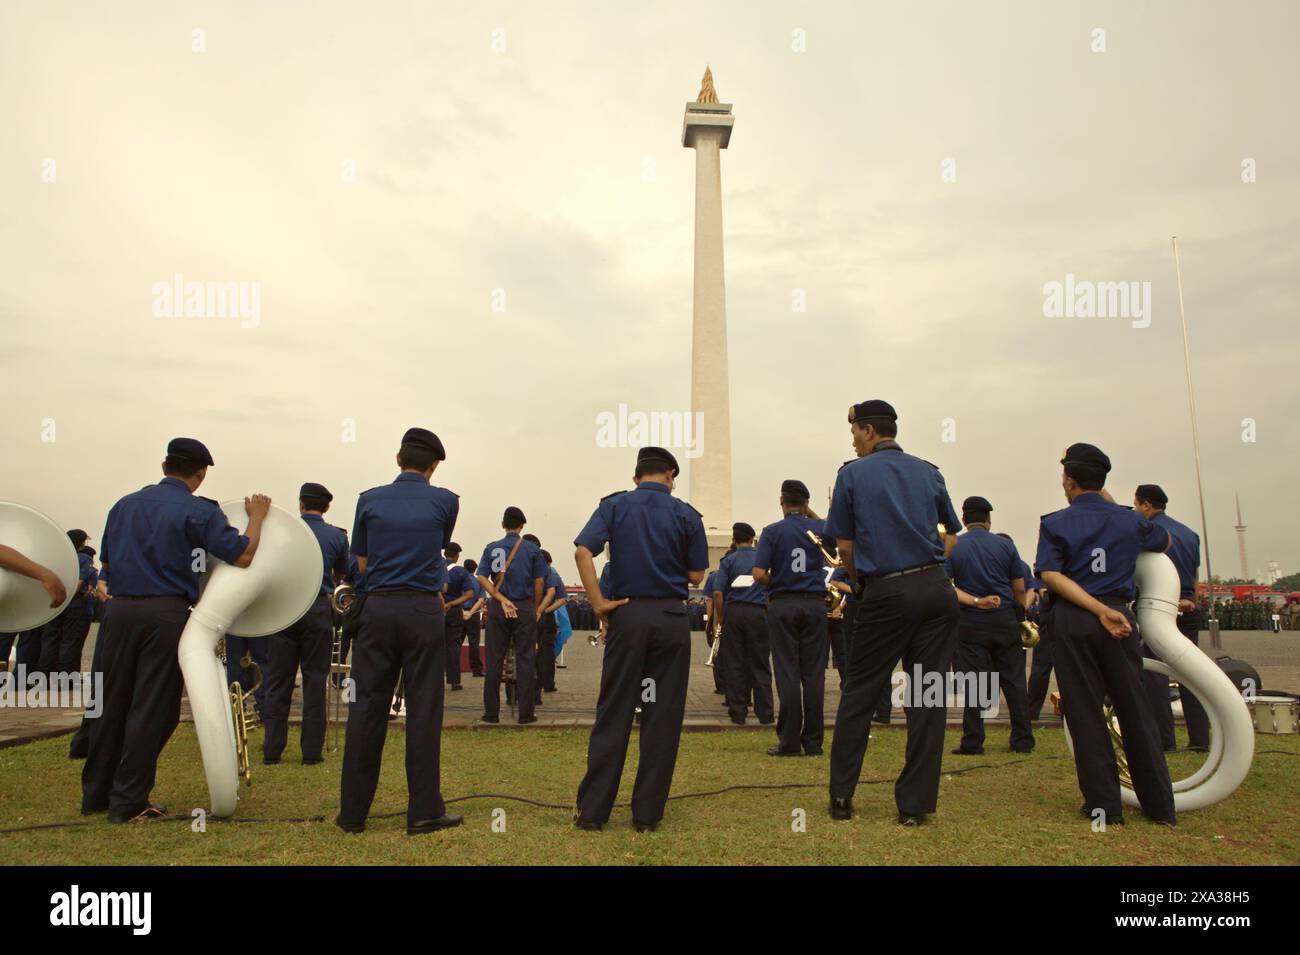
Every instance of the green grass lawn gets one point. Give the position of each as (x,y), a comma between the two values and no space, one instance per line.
(1018,810)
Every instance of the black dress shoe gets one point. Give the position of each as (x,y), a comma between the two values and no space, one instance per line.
(1022,752)
(738,722)
(349,826)
(551,689)
(455,686)
(1198,749)
(447,821)
(813,752)
(645,826)
(778,751)
(93,810)
(479,675)
(313,760)
(967,752)
(882,720)
(270,760)
(527,719)
(489,719)
(587,825)
(720,692)
(841,808)
(766,722)
(907,819)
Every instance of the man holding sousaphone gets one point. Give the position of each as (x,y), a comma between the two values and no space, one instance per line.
(149,567)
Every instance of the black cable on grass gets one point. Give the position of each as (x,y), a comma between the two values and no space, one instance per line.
(739,787)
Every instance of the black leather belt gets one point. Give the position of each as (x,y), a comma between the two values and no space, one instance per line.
(900,573)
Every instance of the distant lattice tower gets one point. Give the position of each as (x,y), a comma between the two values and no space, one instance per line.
(1241,540)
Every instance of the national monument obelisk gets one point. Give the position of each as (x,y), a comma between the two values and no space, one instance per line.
(706,128)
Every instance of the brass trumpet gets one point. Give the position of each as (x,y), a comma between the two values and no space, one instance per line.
(834,597)
(342,597)
(713,650)
(1029,635)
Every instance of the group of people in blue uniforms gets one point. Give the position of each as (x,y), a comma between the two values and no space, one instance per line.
(919,594)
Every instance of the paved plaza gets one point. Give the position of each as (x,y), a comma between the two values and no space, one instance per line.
(1275,656)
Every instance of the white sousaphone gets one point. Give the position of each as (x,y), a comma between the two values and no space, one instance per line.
(24,604)
(1232,737)
(272,593)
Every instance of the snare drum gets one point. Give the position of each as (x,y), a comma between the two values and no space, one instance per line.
(1272,713)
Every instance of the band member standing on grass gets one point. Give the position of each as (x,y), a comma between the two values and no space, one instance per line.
(884,512)
(657,549)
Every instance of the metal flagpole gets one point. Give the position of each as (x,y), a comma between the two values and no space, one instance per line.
(1196,450)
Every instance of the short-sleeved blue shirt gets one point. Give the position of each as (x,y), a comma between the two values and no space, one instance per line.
(528,565)
(984,564)
(333,549)
(1096,544)
(890,504)
(400,529)
(735,578)
(654,540)
(152,536)
(792,559)
(1185,552)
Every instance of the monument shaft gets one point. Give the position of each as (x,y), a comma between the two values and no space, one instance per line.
(710,389)
(706,128)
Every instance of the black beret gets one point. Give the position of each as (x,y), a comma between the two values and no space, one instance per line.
(78,536)
(795,487)
(514,517)
(657,457)
(1088,455)
(742,531)
(533,538)
(451,547)
(191,449)
(546,556)
(1152,493)
(976,503)
(90,550)
(423,438)
(315,491)
(872,408)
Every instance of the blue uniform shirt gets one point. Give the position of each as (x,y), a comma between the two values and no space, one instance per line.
(460,580)
(1096,544)
(86,573)
(528,565)
(654,539)
(553,580)
(793,560)
(889,504)
(333,549)
(1185,552)
(1031,582)
(151,536)
(400,529)
(983,564)
(606,574)
(738,564)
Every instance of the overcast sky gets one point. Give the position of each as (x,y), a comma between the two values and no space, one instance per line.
(530,154)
